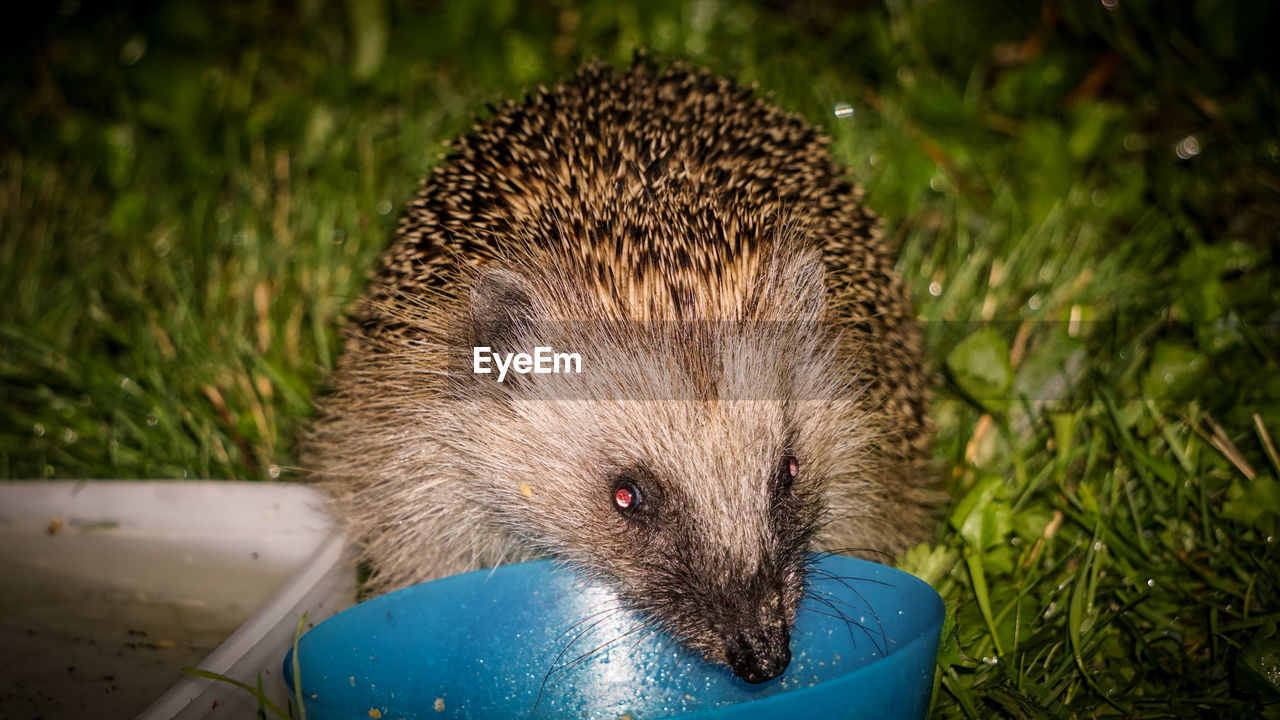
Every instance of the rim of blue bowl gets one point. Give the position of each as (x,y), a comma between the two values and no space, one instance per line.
(785,699)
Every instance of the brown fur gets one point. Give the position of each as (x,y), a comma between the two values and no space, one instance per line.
(732,301)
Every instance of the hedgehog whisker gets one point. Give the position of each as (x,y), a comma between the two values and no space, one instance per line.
(851,606)
(606,617)
(837,552)
(850,623)
(556,664)
(845,579)
(650,627)
(563,669)
(835,613)
(588,618)
(871,610)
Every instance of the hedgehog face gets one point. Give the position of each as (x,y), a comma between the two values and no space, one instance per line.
(698,512)
(714,551)
(685,466)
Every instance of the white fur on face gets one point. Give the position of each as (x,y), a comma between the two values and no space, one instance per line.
(644,400)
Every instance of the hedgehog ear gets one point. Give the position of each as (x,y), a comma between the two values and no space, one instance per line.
(799,282)
(501,310)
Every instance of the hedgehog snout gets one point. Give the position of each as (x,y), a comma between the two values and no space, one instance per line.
(758,646)
(759,653)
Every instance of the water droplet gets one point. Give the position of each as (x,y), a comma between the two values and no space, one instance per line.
(843,110)
(339,236)
(68,436)
(1151,582)
(1187,148)
(937,182)
(384,207)
(1034,302)
(39,429)
(1099,198)
(153,419)
(935,288)
(273,471)
(1111,4)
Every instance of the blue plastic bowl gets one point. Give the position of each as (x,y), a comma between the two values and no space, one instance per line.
(533,641)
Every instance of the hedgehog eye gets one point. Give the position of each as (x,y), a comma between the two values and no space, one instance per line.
(627,497)
(788,469)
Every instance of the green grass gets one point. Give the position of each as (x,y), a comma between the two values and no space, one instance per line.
(191,195)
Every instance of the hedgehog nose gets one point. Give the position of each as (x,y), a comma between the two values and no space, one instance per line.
(757,656)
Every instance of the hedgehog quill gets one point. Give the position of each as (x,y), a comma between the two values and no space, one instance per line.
(750,386)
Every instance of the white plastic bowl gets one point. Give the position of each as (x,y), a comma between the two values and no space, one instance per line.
(107,589)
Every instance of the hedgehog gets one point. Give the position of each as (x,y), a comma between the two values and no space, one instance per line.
(750,390)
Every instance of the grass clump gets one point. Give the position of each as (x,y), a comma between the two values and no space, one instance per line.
(1086,197)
